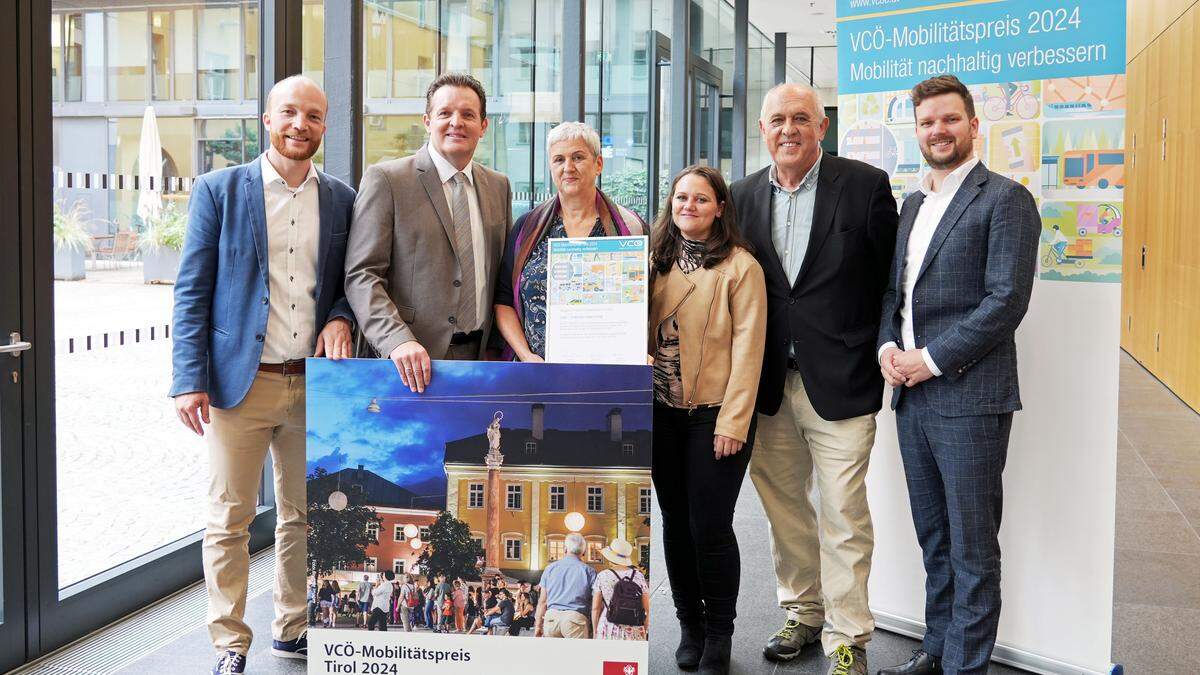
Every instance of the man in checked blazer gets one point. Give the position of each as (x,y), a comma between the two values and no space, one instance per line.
(960,284)
(428,236)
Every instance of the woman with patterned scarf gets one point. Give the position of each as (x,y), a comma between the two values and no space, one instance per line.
(708,323)
(579,209)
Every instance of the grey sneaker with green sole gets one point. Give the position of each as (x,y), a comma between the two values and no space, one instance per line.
(790,640)
(848,661)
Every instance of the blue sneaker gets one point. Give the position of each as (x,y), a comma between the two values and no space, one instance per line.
(230,663)
(291,649)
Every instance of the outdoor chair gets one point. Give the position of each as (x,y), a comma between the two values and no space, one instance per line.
(125,244)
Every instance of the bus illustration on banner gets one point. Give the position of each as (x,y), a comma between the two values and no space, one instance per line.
(1094,168)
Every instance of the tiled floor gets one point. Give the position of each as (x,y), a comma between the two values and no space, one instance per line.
(1156,599)
(1157,586)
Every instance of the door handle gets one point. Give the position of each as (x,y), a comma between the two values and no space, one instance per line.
(15,345)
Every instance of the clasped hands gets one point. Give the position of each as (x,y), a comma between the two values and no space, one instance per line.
(906,368)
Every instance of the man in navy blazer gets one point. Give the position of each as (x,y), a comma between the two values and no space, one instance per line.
(961,279)
(260,288)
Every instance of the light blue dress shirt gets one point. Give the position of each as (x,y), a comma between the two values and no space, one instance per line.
(792,217)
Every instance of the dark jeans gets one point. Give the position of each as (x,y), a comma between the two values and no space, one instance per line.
(378,620)
(518,625)
(697,494)
(953,467)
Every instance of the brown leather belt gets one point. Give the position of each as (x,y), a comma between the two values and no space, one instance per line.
(293,367)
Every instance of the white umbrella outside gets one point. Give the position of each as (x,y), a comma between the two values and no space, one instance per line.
(150,176)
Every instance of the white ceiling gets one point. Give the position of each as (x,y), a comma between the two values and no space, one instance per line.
(807,22)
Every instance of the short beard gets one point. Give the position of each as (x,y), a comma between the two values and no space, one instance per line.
(961,154)
(280,144)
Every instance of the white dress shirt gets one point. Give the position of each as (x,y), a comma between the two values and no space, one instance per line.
(929,215)
(293,230)
(381,597)
(446,173)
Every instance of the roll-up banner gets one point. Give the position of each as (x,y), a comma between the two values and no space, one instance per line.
(1048,79)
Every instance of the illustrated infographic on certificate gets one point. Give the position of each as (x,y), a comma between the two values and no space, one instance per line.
(596,307)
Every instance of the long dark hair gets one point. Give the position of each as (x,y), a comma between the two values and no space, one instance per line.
(723,237)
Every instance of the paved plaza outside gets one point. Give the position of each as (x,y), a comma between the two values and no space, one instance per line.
(131,478)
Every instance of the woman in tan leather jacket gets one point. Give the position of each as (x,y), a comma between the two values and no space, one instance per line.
(708,311)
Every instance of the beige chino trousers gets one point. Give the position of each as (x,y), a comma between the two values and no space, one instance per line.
(821,565)
(564,623)
(271,416)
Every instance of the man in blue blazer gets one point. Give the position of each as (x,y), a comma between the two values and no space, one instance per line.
(260,288)
(961,279)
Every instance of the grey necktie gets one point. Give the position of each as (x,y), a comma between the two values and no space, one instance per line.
(466,253)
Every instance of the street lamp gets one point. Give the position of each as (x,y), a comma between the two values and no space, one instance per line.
(373,406)
(574,521)
(415,543)
(411,532)
(338,500)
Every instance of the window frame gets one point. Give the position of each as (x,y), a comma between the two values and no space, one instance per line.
(562,496)
(509,542)
(599,495)
(646,497)
(593,544)
(471,493)
(555,543)
(510,493)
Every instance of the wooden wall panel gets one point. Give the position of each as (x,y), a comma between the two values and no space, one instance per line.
(1146,20)
(1161,300)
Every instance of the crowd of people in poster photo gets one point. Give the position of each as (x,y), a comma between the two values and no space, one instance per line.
(778,307)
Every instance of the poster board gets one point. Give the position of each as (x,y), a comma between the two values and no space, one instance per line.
(482,477)
(1048,79)
(597,300)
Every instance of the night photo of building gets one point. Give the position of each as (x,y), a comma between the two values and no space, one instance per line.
(522,454)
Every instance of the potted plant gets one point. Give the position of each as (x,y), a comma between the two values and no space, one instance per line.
(72,241)
(160,244)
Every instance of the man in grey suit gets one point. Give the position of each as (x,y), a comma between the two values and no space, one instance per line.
(961,279)
(427,240)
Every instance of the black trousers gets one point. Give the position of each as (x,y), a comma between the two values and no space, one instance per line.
(697,495)
(378,620)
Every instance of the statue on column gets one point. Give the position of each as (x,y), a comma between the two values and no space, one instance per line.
(494,461)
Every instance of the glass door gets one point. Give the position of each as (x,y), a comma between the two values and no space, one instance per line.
(705,134)
(131,101)
(12,507)
(703,115)
(659,174)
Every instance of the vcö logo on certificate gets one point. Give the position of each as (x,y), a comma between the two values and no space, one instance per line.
(620,668)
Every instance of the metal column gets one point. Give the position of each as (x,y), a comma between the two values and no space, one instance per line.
(574,25)
(343,87)
(279,38)
(681,103)
(741,70)
(780,58)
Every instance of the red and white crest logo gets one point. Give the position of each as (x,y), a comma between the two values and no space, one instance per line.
(620,668)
